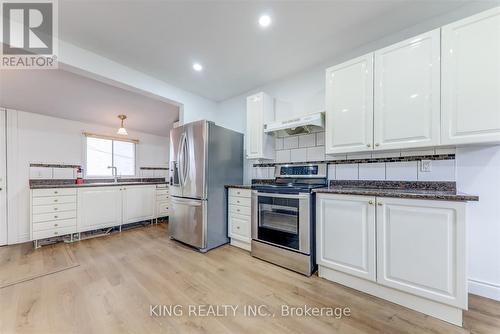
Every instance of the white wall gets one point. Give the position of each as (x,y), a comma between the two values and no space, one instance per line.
(39,138)
(477,168)
(478,173)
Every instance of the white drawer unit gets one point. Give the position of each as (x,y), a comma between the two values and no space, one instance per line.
(239,217)
(162,201)
(53,213)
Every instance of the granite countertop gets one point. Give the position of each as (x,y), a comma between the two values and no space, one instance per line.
(445,191)
(45,184)
(239,186)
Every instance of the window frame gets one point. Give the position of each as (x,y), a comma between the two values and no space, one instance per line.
(112,139)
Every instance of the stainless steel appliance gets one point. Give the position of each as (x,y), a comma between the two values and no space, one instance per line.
(283,217)
(204,158)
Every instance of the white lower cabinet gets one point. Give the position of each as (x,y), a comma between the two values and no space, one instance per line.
(421,248)
(345,229)
(99,207)
(138,203)
(239,217)
(411,252)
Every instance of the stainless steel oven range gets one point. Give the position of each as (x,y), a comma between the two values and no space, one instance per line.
(283,217)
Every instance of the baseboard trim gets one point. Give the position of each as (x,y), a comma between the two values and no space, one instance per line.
(241,244)
(484,289)
(444,312)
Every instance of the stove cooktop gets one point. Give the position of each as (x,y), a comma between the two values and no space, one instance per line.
(281,187)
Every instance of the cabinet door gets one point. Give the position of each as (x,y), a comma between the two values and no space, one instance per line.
(239,227)
(99,207)
(138,203)
(255,128)
(345,234)
(471,79)
(407,93)
(349,106)
(421,248)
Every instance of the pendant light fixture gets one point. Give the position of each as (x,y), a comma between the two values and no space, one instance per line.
(122,130)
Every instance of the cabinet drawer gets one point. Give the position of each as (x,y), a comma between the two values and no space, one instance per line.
(239,210)
(242,201)
(54,224)
(53,200)
(54,208)
(162,192)
(54,232)
(162,209)
(240,192)
(43,217)
(162,198)
(54,192)
(240,225)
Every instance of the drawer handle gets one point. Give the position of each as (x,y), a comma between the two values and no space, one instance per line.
(238,210)
(237,201)
(238,192)
(56,225)
(56,233)
(55,217)
(55,192)
(55,209)
(238,227)
(56,200)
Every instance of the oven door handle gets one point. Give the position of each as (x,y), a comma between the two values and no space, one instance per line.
(296,196)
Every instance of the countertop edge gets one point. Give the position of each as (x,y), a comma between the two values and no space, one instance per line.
(394,194)
(90,185)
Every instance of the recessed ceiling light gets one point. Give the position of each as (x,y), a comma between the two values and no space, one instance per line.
(265,21)
(197,67)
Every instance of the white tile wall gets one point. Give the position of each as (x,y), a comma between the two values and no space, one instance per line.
(316,153)
(320,138)
(291,142)
(347,172)
(331,172)
(373,171)
(401,171)
(41,173)
(278,142)
(298,155)
(441,170)
(307,140)
(283,156)
(63,173)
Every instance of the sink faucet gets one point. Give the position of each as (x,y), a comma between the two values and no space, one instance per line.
(115,173)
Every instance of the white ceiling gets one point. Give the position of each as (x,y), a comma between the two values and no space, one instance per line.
(67,95)
(164,38)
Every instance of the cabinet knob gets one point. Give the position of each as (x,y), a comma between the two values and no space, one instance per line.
(238,192)
(368,145)
(55,209)
(237,201)
(380,203)
(237,227)
(56,233)
(56,225)
(55,192)
(56,200)
(55,217)
(377,144)
(370,202)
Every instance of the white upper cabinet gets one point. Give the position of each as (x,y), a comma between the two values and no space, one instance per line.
(260,110)
(471,79)
(421,248)
(345,234)
(349,106)
(407,93)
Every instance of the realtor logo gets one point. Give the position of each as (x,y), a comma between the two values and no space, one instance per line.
(29,34)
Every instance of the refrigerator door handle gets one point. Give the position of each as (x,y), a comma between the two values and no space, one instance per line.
(185,201)
(186,159)
(180,164)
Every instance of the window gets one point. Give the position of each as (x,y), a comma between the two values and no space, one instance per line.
(103,152)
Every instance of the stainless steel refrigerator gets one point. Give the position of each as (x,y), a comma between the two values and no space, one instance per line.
(204,158)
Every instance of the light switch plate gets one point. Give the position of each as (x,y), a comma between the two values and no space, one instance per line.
(426,166)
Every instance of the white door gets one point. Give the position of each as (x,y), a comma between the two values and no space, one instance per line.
(407,93)
(138,203)
(99,207)
(421,248)
(349,106)
(255,129)
(3,183)
(345,234)
(471,79)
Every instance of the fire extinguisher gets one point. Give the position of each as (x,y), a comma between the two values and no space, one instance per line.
(79,175)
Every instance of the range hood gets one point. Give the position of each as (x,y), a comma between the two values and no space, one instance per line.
(297,125)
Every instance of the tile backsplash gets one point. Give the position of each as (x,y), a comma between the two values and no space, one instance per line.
(311,147)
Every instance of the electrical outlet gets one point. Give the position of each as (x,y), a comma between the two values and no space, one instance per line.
(425,166)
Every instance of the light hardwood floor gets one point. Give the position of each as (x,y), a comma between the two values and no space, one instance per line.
(121,275)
